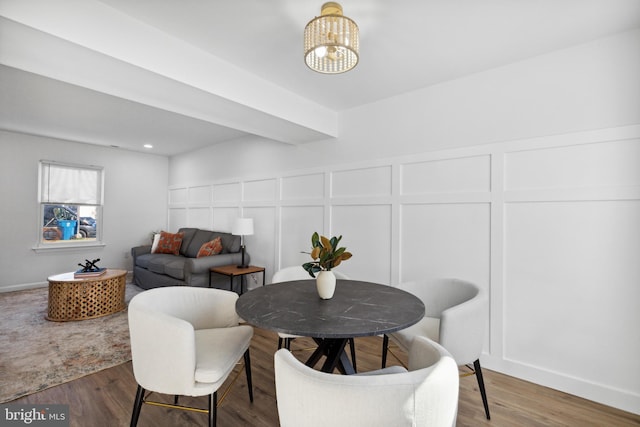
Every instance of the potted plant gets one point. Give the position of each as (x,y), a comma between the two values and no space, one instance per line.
(326,256)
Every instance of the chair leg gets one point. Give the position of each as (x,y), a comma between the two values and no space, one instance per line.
(385,347)
(137,405)
(247,370)
(352,344)
(175,399)
(213,408)
(478,369)
(280,343)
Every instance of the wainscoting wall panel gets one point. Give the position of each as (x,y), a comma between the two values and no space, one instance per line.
(361,182)
(297,224)
(446,240)
(199,217)
(574,166)
(466,174)
(223,218)
(573,287)
(177,216)
(227,192)
(199,195)
(262,246)
(549,226)
(178,196)
(303,187)
(265,190)
(365,233)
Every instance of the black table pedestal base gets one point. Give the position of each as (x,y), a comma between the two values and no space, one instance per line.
(333,350)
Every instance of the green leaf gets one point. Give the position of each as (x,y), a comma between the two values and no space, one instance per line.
(335,241)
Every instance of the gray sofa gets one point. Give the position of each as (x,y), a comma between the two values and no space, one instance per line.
(156,270)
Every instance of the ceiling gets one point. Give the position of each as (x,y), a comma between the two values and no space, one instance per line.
(184,75)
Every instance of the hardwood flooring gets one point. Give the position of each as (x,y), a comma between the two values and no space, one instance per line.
(106,398)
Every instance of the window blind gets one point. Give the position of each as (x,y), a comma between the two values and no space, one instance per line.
(70,184)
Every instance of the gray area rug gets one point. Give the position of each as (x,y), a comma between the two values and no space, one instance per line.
(36,354)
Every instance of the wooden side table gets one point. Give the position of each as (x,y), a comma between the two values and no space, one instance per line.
(233,270)
(87,297)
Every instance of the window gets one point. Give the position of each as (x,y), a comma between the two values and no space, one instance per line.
(70,198)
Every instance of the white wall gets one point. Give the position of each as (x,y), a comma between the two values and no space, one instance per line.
(538,201)
(135,203)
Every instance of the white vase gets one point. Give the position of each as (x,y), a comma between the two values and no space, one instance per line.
(326,284)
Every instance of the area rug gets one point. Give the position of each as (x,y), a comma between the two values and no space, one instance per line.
(36,354)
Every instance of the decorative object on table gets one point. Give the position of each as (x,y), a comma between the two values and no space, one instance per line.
(243,227)
(331,41)
(90,269)
(326,255)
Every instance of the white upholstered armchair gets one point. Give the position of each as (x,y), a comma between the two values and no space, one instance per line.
(455,316)
(186,341)
(426,395)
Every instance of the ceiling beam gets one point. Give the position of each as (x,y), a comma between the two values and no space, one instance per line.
(94,46)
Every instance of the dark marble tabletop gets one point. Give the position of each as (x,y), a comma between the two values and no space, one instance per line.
(356,309)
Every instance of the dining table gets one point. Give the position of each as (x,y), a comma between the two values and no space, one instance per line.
(357,309)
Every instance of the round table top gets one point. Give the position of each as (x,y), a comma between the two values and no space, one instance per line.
(68,277)
(356,309)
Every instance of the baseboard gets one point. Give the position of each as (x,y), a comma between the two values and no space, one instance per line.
(23,287)
(624,400)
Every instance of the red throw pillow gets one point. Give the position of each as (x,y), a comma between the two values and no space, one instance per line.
(213,247)
(169,243)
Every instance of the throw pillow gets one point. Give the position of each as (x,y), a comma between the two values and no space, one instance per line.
(154,245)
(214,247)
(169,243)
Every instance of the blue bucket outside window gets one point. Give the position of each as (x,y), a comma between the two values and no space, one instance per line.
(68,227)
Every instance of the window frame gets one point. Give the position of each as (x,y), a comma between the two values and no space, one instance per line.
(44,167)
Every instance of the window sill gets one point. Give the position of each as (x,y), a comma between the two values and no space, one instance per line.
(67,247)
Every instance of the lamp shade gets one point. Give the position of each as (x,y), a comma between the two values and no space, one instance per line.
(243,227)
(331,41)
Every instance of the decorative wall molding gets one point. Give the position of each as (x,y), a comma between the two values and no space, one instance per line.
(549,226)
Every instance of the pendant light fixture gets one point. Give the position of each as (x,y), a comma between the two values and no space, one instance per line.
(331,41)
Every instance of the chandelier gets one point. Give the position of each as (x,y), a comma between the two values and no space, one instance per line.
(331,41)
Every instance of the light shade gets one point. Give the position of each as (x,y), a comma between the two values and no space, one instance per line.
(243,227)
(331,41)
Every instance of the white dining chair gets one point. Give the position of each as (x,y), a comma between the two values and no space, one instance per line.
(425,395)
(298,273)
(185,341)
(455,316)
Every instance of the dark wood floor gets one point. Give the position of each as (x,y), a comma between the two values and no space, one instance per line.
(106,398)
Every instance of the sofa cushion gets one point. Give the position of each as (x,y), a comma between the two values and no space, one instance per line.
(143,260)
(212,247)
(200,238)
(169,243)
(186,240)
(158,262)
(175,268)
(230,243)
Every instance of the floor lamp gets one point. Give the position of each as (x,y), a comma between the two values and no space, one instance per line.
(243,227)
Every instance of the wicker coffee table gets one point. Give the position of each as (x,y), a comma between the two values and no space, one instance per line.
(87,297)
